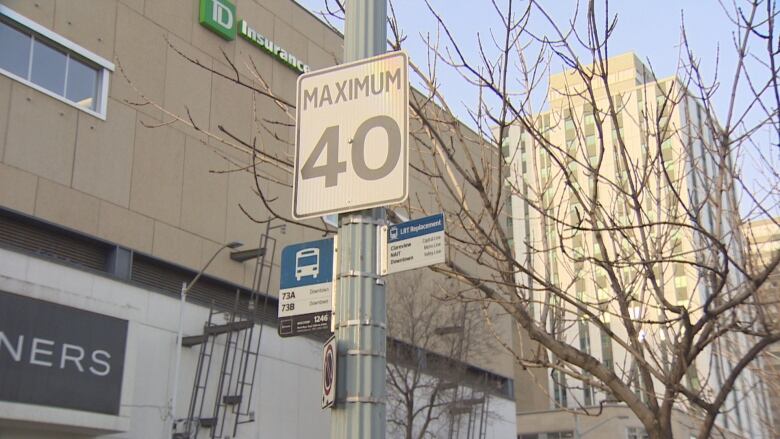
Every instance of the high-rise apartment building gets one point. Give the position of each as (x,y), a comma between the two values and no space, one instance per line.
(763,238)
(601,181)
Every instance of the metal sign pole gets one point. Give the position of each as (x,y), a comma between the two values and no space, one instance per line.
(361,310)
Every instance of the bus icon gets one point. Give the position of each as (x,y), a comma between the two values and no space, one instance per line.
(307,263)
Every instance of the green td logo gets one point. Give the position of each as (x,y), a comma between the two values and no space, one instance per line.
(220,17)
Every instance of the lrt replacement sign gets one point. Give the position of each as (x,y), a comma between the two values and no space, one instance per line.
(413,244)
(351,141)
(306,287)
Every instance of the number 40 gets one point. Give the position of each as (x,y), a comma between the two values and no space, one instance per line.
(329,141)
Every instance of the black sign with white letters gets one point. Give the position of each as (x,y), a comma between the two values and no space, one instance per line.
(59,356)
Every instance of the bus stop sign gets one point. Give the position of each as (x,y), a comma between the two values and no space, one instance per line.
(305,287)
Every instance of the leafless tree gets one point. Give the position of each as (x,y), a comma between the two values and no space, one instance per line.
(630,236)
(429,387)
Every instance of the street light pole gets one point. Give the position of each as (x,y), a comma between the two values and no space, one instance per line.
(179,333)
(361,309)
(177,361)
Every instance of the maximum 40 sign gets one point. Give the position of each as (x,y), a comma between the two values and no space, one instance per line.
(352,137)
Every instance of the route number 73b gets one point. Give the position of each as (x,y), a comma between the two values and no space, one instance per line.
(329,145)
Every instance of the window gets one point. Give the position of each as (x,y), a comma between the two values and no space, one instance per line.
(559,389)
(692,378)
(505,148)
(589,119)
(606,348)
(584,334)
(636,433)
(40,58)
(587,390)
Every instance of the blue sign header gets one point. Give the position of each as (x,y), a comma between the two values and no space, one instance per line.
(414,228)
(307,263)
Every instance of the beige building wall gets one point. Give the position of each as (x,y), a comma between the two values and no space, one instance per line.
(153,190)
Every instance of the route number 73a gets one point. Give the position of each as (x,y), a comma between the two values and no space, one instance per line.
(332,166)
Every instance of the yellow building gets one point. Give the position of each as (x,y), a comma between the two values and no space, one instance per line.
(763,238)
(600,179)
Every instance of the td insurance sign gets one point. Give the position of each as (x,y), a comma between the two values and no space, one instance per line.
(219,16)
(54,355)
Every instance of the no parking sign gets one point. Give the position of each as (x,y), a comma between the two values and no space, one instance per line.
(329,372)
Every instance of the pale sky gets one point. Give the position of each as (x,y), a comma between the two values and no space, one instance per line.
(651,29)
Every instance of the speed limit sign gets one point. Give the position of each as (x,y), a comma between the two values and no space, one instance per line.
(351,142)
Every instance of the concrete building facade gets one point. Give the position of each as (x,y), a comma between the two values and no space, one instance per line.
(122,175)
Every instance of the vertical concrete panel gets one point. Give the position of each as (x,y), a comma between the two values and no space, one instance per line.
(176,245)
(140,53)
(239,226)
(104,154)
(46,152)
(284,82)
(63,205)
(231,107)
(40,11)
(89,23)
(281,8)
(172,15)
(204,195)
(288,36)
(137,5)
(157,172)
(188,87)
(276,135)
(319,58)
(285,79)
(17,189)
(125,227)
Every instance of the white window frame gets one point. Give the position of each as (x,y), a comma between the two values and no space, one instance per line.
(104,66)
